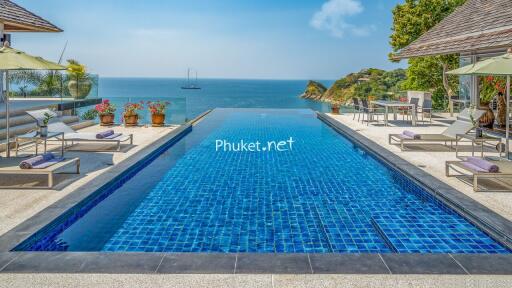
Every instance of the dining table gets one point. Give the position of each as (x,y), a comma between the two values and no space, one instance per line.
(394,105)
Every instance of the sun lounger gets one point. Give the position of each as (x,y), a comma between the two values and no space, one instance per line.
(462,125)
(10,166)
(73,136)
(505,171)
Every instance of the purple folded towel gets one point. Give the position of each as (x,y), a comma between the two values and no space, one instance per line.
(472,166)
(104,134)
(410,134)
(36,161)
(48,163)
(114,135)
(483,164)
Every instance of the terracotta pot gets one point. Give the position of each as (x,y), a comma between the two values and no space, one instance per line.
(158,120)
(107,119)
(335,110)
(131,120)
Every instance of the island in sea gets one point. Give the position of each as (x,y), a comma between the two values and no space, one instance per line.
(366,83)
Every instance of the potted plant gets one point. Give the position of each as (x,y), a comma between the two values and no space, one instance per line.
(90,114)
(43,129)
(157,110)
(79,81)
(487,92)
(106,112)
(335,106)
(131,115)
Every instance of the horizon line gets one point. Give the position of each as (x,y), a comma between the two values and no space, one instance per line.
(216,78)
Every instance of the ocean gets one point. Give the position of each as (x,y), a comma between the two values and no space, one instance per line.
(221,93)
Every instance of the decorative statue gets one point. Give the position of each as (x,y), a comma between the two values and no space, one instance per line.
(502,110)
(487,120)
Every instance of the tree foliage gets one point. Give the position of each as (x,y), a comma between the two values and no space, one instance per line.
(368,82)
(48,83)
(412,19)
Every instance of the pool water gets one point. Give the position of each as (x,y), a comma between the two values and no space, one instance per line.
(322,194)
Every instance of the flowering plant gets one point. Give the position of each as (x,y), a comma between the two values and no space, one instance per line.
(105,108)
(131,109)
(490,87)
(158,107)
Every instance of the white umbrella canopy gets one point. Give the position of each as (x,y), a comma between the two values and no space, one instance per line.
(499,66)
(15,60)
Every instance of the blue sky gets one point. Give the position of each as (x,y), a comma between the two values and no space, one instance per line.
(269,39)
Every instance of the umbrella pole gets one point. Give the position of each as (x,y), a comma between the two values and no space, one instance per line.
(507,131)
(8,147)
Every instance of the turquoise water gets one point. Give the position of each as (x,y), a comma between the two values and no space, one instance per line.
(317,193)
(226,93)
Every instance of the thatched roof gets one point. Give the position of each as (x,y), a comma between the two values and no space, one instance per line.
(475,26)
(19,19)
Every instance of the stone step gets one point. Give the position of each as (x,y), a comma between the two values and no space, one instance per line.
(18,112)
(16,121)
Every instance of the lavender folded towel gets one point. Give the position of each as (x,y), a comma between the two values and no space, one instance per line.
(114,135)
(48,163)
(104,134)
(36,161)
(472,166)
(485,165)
(411,135)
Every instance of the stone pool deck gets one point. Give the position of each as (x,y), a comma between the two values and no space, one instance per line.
(250,281)
(431,158)
(18,205)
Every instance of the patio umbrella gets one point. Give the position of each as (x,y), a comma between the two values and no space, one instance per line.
(499,66)
(15,60)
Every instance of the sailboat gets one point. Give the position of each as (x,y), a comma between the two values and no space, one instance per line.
(190,86)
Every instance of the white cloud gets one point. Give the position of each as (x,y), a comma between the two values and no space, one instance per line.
(332,17)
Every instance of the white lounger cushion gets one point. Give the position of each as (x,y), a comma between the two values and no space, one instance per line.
(88,136)
(38,115)
(70,134)
(463,123)
(458,127)
(60,127)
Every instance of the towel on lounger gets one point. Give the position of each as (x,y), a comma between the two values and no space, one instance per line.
(410,135)
(472,166)
(483,164)
(48,163)
(40,162)
(113,136)
(104,134)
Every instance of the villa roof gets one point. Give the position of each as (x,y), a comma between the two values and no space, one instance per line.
(19,19)
(475,26)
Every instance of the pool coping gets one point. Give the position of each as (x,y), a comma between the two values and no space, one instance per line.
(255,263)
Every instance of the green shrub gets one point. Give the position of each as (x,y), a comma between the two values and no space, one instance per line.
(90,114)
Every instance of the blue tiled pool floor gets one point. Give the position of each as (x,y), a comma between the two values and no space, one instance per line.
(323,196)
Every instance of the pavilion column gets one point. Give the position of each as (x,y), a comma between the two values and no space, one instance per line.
(474,90)
(1,74)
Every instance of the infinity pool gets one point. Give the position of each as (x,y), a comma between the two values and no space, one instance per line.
(306,189)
